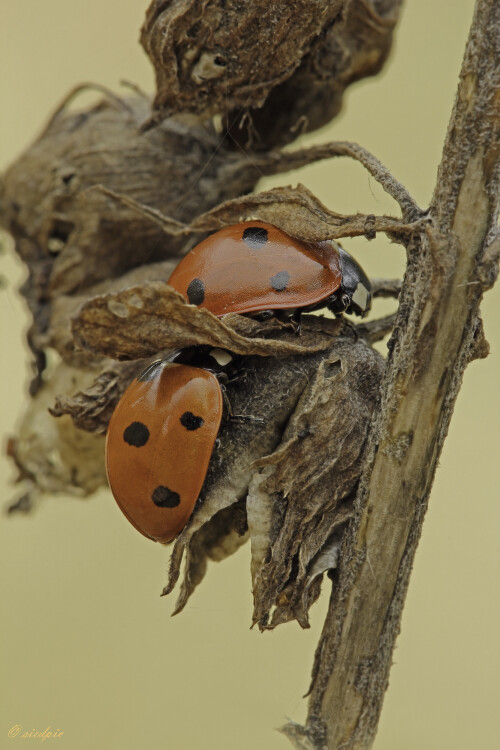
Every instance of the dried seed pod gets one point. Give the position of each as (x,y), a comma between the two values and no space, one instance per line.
(308,53)
(308,483)
(289,484)
(205,59)
(354,45)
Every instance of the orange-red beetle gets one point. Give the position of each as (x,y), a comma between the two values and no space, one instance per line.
(159,443)
(254,267)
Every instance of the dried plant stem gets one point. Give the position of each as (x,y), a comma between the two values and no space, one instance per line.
(395,189)
(438,331)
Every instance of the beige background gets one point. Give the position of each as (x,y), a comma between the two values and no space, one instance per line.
(87,644)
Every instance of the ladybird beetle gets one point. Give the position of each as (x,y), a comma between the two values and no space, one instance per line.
(159,443)
(254,267)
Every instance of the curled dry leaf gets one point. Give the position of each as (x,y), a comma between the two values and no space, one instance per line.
(59,335)
(91,408)
(294,210)
(287,484)
(143,320)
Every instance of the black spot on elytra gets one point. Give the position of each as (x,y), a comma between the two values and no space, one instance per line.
(163,497)
(255,237)
(136,434)
(196,292)
(190,421)
(279,281)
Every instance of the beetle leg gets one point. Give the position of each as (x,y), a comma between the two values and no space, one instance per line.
(295,320)
(289,319)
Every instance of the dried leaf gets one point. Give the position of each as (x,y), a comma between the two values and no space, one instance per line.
(59,335)
(294,210)
(143,320)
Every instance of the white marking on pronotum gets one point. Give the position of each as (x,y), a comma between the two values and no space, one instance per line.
(360,296)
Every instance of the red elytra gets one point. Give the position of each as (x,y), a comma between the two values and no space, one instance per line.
(159,443)
(254,266)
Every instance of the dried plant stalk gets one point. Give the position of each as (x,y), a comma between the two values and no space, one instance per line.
(438,332)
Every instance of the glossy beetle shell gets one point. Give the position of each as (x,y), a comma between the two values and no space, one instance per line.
(254,266)
(159,443)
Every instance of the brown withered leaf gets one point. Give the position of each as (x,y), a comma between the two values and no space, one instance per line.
(142,320)
(91,408)
(295,210)
(59,335)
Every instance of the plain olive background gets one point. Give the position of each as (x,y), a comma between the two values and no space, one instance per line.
(88,647)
